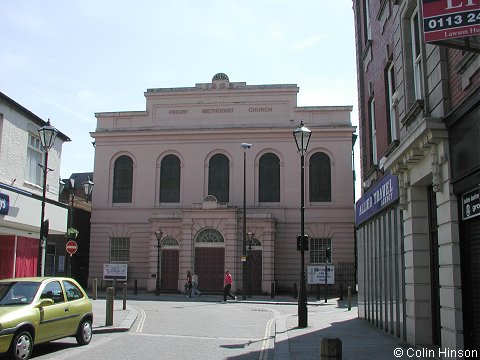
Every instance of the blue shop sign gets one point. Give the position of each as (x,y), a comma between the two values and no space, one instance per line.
(377,198)
(4,204)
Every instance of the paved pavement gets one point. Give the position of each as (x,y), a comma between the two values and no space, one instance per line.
(360,340)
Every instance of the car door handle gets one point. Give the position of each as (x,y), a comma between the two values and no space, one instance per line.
(67,309)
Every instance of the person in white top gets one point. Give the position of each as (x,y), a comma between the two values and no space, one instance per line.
(195,290)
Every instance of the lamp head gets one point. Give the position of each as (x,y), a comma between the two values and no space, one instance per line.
(302,137)
(47,135)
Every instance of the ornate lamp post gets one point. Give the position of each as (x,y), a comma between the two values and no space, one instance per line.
(158,235)
(47,135)
(88,188)
(244,146)
(302,137)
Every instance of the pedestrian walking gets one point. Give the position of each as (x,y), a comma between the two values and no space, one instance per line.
(227,285)
(188,284)
(195,290)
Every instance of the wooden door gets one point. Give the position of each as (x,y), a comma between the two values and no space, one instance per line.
(210,267)
(256,271)
(169,275)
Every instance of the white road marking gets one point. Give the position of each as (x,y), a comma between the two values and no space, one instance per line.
(141,322)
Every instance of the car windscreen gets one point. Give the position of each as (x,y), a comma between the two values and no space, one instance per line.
(18,293)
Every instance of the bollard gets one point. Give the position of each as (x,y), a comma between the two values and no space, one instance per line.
(341,292)
(295,292)
(109,307)
(349,298)
(318,291)
(135,288)
(330,349)
(124,296)
(94,289)
(272,290)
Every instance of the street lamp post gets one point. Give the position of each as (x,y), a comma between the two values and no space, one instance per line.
(71,190)
(158,235)
(302,137)
(249,260)
(47,135)
(244,146)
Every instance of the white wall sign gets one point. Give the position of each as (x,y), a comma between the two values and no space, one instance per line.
(115,271)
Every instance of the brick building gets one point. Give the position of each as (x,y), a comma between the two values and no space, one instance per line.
(418,225)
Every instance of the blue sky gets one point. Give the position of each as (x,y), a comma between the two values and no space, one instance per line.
(66,60)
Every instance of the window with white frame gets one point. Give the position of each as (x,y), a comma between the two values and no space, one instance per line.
(367,23)
(391,102)
(318,247)
(373,130)
(416,56)
(119,249)
(33,171)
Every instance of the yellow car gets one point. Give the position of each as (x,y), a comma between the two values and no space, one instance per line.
(37,310)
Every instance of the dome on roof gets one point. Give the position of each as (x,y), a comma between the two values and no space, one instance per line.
(220,76)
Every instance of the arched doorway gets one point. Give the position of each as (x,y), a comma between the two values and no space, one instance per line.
(255,265)
(209,259)
(170,263)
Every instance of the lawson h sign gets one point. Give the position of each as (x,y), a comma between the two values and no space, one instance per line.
(450,19)
(377,198)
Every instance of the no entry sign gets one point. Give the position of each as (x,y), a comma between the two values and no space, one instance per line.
(71,247)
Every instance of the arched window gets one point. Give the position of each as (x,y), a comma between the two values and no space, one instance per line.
(269,178)
(320,178)
(169,242)
(170,179)
(209,236)
(123,180)
(219,177)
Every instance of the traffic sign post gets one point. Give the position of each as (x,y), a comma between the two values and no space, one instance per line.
(71,247)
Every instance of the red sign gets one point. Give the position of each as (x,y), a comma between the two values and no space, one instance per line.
(72,247)
(450,19)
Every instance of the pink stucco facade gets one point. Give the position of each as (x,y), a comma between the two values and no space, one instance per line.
(194,124)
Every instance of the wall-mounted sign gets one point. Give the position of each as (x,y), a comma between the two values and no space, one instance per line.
(471,204)
(377,198)
(450,19)
(4,204)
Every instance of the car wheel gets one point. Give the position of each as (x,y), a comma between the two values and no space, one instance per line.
(84,333)
(22,345)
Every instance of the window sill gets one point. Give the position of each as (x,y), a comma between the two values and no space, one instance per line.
(414,110)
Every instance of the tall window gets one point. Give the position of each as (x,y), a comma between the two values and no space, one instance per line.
(373,131)
(122,180)
(170,179)
(416,56)
(269,178)
(392,134)
(33,172)
(318,248)
(120,249)
(219,177)
(320,178)
(366,18)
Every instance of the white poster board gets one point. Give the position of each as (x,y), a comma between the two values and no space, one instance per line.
(115,271)
(316,274)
